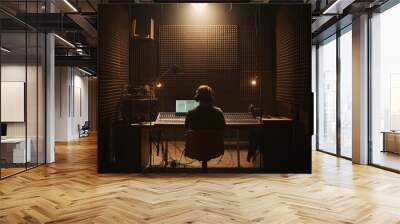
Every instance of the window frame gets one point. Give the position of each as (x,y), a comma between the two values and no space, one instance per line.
(334,37)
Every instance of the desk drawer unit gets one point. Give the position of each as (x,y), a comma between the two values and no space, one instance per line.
(14,151)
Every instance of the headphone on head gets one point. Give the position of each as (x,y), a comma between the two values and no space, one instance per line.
(204,93)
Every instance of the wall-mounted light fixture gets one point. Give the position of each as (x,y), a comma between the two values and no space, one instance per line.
(256,82)
(159,85)
(64,40)
(5,50)
(199,6)
(253,82)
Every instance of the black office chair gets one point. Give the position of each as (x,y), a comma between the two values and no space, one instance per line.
(204,145)
(84,130)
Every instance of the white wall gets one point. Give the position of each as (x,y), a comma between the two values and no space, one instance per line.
(62,81)
(81,97)
(71,102)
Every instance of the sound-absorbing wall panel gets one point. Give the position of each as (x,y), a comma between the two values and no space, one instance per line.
(258,62)
(113,73)
(293,83)
(208,55)
(198,49)
(293,55)
(250,63)
(144,55)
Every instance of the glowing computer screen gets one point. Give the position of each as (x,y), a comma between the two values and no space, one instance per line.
(183,106)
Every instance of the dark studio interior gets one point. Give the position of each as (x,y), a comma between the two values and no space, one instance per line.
(248,54)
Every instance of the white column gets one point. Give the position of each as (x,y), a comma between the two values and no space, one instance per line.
(360,90)
(50,94)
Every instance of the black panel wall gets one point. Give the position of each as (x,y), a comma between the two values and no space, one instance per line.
(293,80)
(144,52)
(293,55)
(257,41)
(233,46)
(113,70)
(208,54)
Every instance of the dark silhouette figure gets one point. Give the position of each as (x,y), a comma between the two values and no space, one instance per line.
(205,124)
(205,116)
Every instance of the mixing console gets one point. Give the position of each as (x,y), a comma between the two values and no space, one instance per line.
(231,118)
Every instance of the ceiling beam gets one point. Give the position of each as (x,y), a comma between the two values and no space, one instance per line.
(81,61)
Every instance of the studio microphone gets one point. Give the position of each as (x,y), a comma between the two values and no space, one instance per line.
(176,68)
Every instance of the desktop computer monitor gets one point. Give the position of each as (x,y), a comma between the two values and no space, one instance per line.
(183,106)
(3,130)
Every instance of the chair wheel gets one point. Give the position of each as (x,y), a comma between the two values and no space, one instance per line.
(204,166)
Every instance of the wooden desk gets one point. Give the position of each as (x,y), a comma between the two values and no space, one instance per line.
(276,119)
(13,150)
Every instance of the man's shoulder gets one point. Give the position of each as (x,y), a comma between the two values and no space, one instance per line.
(192,110)
(218,109)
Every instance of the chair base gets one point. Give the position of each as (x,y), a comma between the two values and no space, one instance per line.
(204,166)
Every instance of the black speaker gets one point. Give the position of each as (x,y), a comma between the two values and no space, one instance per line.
(277,145)
(135,109)
(130,146)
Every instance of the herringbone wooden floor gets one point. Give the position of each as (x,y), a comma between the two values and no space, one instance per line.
(70,191)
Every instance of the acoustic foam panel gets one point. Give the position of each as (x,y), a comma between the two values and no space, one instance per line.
(113,74)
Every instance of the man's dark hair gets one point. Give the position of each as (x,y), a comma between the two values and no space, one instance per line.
(204,93)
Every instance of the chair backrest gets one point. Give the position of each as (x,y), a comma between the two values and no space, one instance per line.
(86,125)
(204,145)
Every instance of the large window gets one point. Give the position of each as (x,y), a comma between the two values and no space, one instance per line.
(346,93)
(385,88)
(334,95)
(314,90)
(327,95)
